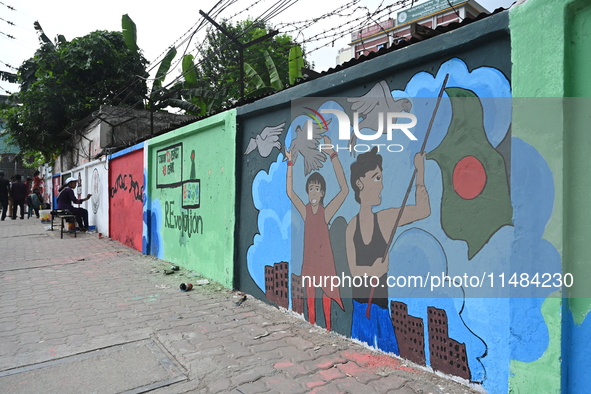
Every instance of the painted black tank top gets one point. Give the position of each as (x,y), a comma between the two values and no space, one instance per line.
(365,256)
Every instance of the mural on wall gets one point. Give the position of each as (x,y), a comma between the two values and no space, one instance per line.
(96,190)
(56,184)
(189,209)
(126,197)
(452,202)
(79,186)
(180,204)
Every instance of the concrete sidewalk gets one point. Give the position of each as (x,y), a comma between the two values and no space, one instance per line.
(89,315)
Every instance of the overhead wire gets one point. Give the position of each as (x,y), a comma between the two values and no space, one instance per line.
(266,16)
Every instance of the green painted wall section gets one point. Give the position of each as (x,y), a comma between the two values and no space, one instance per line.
(551,41)
(578,162)
(538,32)
(547,378)
(192,183)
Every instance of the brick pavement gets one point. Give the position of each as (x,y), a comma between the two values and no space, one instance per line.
(71,296)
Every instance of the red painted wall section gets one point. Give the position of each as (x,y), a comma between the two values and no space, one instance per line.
(126,189)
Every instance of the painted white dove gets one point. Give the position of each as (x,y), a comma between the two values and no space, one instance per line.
(378,99)
(313,157)
(266,140)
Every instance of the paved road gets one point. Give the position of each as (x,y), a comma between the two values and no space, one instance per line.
(89,315)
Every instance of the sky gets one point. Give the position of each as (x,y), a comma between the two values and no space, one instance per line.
(160,27)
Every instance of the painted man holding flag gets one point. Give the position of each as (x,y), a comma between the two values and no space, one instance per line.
(367,240)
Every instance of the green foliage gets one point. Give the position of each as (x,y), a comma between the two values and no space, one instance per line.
(296,62)
(9,77)
(129,32)
(163,69)
(254,82)
(219,66)
(66,81)
(194,90)
(274,77)
(190,72)
(34,159)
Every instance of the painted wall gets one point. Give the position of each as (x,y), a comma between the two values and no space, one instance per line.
(126,196)
(56,183)
(93,179)
(558,35)
(477,207)
(189,217)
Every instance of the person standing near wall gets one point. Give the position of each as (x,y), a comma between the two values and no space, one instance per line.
(35,201)
(10,199)
(19,195)
(38,181)
(4,194)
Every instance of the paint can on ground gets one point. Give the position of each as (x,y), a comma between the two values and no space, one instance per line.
(45,215)
(186,286)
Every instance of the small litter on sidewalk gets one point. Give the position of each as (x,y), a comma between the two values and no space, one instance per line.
(202,282)
(266,334)
(241,300)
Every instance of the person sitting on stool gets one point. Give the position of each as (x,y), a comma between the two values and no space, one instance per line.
(67,197)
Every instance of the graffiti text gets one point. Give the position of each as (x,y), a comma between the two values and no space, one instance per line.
(186,222)
(134,187)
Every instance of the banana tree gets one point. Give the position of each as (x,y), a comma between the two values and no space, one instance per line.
(193,89)
(296,63)
(159,97)
(257,84)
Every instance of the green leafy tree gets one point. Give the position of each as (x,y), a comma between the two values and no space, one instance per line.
(181,94)
(66,81)
(267,61)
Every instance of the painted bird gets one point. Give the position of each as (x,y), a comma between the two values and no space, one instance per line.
(266,140)
(308,148)
(378,100)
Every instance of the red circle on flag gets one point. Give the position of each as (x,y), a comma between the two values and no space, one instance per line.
(469,177)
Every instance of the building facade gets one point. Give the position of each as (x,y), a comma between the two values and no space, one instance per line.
(430,14)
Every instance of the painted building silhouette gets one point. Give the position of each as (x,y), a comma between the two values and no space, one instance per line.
(410,333)
(447,355)
(276,283)
(297,294)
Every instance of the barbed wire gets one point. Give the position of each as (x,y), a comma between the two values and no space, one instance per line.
(330,35)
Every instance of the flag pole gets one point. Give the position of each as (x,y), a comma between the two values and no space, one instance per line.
(412,180)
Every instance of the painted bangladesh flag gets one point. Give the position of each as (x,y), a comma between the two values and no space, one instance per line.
(476,201)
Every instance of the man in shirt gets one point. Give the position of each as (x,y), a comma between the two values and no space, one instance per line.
(4,193)
(19,195)
(67,197)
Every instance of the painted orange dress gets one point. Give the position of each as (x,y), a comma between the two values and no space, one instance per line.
(318,257)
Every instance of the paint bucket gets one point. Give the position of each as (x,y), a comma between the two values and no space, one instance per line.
(100,235)
(186,286)
(45,215)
